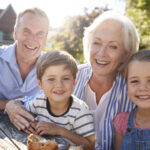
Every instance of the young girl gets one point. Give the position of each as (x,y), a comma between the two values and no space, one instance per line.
(132,130)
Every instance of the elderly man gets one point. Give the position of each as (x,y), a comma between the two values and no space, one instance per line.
(17,64)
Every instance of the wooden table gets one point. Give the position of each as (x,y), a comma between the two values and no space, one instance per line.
(8,129)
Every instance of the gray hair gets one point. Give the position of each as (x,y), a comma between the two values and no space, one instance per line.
(35,11)
(130,34)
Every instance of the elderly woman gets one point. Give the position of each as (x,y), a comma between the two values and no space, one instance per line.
(108,44)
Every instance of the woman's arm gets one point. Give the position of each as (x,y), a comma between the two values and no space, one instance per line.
(52,129)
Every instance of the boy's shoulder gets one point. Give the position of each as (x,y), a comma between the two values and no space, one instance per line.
(40,99)
(78,103)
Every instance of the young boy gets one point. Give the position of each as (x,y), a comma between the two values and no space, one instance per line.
(58,112)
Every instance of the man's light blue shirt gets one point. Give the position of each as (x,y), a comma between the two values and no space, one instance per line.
(11,83)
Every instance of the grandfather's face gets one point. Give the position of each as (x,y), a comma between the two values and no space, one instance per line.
(31,36)
(107,49)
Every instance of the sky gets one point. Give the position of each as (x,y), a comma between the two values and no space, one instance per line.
(58,10)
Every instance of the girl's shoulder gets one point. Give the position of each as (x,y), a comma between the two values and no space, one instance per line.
(122,115)
(120,122)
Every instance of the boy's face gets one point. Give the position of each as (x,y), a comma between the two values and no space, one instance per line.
(57,83)
(138,81)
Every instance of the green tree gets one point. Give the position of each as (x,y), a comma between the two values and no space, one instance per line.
(139,12)
(69,36)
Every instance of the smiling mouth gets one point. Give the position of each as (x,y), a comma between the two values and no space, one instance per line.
(143,97)
(31,47)
(101,62)
(59,92)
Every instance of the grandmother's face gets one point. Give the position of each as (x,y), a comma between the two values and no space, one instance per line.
(107,50)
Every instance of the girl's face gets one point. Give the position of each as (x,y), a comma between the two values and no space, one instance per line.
(138,81)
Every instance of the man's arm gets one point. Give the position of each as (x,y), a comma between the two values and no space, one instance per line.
(18,115)
(3,104)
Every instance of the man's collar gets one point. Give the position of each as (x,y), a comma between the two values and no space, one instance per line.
(9,53)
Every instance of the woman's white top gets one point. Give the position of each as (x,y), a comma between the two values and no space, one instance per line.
(114,101)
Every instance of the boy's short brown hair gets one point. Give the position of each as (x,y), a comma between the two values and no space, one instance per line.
(56,57)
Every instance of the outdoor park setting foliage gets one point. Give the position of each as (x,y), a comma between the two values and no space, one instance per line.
(69,35)
(139,12)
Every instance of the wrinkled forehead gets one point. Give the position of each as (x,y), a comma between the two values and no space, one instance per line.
(110,24)
(108,31)
(35,19)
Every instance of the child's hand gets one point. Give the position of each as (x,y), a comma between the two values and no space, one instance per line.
(31,128)
(43,128)
(33,124)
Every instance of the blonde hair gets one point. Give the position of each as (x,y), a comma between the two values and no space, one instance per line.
(130,34)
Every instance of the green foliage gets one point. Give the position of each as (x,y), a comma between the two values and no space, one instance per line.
(139,12)
(69,36)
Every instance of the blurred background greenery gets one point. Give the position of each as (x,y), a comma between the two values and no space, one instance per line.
(69,36)
(77,16)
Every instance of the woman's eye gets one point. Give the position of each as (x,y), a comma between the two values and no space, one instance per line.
(51,79)
(113,46)
(134,81)
(96,43)
(66,78)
